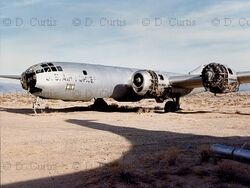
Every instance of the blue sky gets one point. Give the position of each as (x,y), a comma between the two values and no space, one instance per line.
(220,33)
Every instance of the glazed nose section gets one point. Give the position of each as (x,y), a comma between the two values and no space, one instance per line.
(28,80)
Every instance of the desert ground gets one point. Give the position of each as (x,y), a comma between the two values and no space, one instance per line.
(72,144)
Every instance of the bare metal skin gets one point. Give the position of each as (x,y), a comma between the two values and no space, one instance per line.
(79,81)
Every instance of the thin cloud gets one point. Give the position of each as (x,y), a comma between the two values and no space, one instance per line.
(224,8)
(26,2)
(165,48)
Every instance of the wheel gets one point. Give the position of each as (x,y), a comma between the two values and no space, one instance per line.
(100,104)
(171,106)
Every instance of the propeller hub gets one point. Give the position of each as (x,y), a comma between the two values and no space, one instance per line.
(138,80)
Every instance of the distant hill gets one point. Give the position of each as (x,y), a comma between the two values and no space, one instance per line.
(14,87)
(10,87)
(245,87)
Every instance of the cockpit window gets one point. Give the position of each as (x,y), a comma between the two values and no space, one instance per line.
(53,68)
(230,71)
(39,71)
(161,77)
(50,64)
(44,65)
(47,69)
(59,68)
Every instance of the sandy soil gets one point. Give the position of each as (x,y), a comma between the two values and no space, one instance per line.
(69,144)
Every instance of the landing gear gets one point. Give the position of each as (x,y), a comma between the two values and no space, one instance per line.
(172,106)
(36,104)
(99,104)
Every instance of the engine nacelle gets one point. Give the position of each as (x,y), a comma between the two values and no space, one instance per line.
(148,83)
(218,78)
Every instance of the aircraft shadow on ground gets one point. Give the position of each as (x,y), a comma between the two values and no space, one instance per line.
(110,109)
(219,112)
(145,145)
(29,111)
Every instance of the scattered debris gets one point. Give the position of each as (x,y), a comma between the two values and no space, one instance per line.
(231,152)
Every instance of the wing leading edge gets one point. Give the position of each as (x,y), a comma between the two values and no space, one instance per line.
(243,77)
(186,81)
(195,81)
(15,77)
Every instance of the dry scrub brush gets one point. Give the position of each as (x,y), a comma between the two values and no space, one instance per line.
(170,156)
(205,153)
(123,171)
(233,172)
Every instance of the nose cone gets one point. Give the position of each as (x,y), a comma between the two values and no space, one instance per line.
(28,80)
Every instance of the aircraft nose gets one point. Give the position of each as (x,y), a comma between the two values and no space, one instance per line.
(28,80)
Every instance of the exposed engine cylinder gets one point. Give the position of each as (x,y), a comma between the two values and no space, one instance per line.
(217,78)
(149,83)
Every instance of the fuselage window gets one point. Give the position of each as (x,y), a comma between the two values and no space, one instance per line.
(59,68)
(84,72)
(161,77)
(53,68)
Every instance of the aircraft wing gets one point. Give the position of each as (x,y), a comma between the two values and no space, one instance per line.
(15,77)
(195,81)
(243,77)
(186,81)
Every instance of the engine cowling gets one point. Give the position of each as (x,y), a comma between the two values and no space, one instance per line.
(218,78)
(149,83)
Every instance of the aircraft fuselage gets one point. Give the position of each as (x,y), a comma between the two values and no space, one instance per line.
(75,81)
